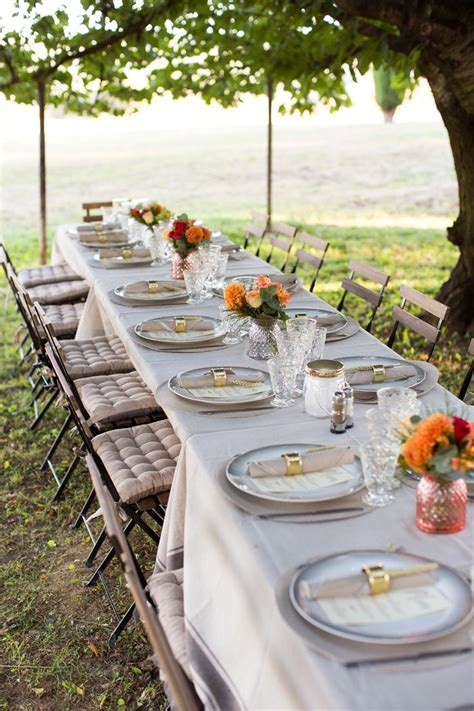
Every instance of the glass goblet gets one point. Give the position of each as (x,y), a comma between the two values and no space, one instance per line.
(375,476)
(232,324)
(319,341)
(283,374)
(194,280)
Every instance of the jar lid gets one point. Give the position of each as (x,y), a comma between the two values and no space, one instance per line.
(324,368)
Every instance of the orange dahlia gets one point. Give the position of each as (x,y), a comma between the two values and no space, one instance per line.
(194,234)
(419,449)
(234,296)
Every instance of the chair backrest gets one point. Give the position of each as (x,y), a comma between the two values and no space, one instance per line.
(302,255)
(5,260)
(468,377)
(371,296)
(182,694)
(254,230)
(89,206)
(281,236)
(260,218)
(25,306)
(414,323)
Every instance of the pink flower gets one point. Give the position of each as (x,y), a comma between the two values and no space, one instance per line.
(253,298)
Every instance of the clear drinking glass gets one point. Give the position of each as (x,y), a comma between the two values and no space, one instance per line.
(283,374)
(232,324)
(397,403)
(220,271)
(304,328)
(387,439)
(319,341)
(194,280)
(375,476)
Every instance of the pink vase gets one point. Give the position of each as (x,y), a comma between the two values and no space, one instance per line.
(178,266)
(441,505)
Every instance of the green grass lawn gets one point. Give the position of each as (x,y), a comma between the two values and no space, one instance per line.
(383,195)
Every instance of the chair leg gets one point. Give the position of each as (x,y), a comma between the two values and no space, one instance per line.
(57,442)
(67,475)
(121,626)
(108,558)
(34,424)
(81,515)
(96,548)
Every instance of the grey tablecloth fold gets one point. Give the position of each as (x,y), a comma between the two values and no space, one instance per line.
(311,462)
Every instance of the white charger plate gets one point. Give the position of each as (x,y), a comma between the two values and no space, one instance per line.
(238,371)
(186,337)
(165,296)
(238,476)
(409,631)
(356,361)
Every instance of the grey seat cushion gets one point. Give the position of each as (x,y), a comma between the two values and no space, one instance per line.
(108,398)
(166,591)
(140,460)
(64,317)
(96,356)
(62,293)
(49,274)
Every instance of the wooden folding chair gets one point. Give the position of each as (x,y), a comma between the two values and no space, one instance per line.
(414,323)
(303,256)
(467,380)
(370,296)
(253,233)
(281,236)
(90,206)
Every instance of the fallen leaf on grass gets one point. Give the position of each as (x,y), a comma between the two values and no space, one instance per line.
(51,543)
(93,648)
(38,691)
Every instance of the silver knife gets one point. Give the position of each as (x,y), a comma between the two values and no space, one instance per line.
(348,509)
(410,657)
(223,412)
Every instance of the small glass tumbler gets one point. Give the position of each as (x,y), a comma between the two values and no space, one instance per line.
(220,271)
(396,403)
(194,280)
(232,324)
(283,374)
(387,438)
(319,340)
(375,476)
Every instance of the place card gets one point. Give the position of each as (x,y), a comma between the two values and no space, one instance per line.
(392,606)
(228,391)
(302,482)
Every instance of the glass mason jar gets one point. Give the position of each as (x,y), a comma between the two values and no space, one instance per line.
(441,505)
(262,339)
(322,379)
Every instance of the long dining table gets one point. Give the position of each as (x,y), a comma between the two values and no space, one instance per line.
(244,653)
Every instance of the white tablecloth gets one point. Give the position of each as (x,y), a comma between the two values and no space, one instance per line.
(243,653)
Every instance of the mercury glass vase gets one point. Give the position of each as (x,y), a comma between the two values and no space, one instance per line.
(262,338)
(441,505)
(178,265)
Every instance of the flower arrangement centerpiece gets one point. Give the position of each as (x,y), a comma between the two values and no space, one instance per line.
(264,304)
(184,237)
(440,447)
(150,215)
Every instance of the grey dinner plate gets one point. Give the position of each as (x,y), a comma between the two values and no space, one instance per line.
(238,371)
(360,361)
(185,338)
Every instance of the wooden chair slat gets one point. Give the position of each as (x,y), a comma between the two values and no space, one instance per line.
(312,241)
(309,258)
(416,324)
(470,350)
(283,228)
(279,242)
(255,230)
(258,216)
(362,291)
(368,272)
(96,205)
(426,303)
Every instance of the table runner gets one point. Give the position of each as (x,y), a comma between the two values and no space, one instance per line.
(243,655)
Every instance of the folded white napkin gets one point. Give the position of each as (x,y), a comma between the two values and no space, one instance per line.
(329,319)
(363,377)
(141,287)
(136,252)
(92,227)
(207,380)
(105,237)
(198,324)
(287,280)
(232,247)
(358,585)
(311,462)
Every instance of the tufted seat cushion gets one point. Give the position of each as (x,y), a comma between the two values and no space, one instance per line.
(96,356)
(140,460)
(108,398)
(65,291)
(166,591)
(49,274)
(64,318)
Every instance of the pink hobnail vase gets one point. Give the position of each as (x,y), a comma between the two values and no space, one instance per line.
(441,505)
(178,266)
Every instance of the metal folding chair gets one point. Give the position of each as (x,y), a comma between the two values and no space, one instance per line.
(303,256)
(407,320)
(89,207)
(373,297)
(280,236)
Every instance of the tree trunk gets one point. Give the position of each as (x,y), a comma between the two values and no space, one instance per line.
(269,149)
(42,172)
(458,291)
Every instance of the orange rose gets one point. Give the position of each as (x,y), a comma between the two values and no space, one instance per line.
(419,449)
(262,281)
(194,234)
(283,295)
(234,296)
(253,298)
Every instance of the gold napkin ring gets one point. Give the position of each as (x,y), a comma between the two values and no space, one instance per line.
(379,374)
(98,227)
(102,238)
(126,253)
(179,324)
(153,287)
(294,463)
(220,377)
(379,579)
